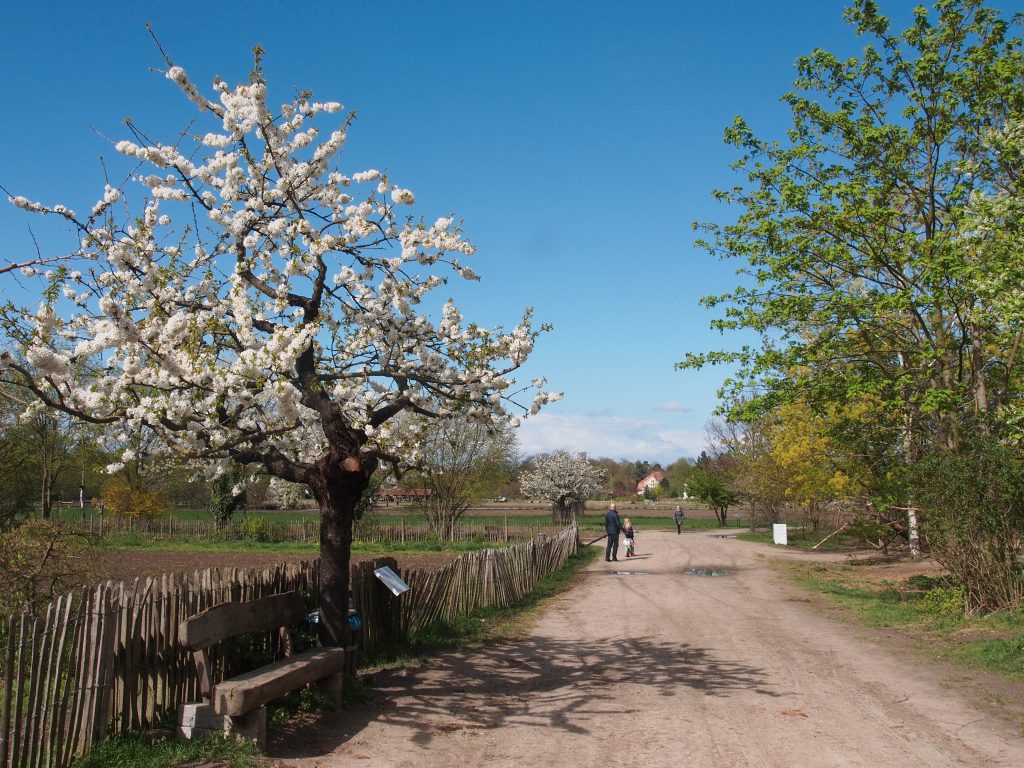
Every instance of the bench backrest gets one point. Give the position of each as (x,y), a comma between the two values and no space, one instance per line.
(230,619)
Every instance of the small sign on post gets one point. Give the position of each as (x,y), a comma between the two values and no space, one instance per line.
(391,580)
(779,534)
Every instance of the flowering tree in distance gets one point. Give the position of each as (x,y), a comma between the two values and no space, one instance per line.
(565,480)
(253,304)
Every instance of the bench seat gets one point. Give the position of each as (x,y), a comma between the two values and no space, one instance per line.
(244,693)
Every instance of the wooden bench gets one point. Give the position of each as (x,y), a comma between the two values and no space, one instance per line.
(236,705)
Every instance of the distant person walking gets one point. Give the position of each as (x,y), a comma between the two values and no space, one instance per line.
(612,526)
(678,517)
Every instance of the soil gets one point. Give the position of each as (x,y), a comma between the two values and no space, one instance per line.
(125,565)
(644,663)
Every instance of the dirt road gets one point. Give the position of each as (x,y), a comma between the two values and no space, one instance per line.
(646,665)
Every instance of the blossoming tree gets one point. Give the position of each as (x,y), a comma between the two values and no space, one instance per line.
(566,480)
(246,301)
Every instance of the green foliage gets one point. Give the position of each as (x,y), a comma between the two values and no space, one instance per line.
(871,297)
(139,751)
(227,494)
(945,602)
(122,499)
(973,502)
(255,529)
(714,491)
(18,488)
(301,701)
(40,560)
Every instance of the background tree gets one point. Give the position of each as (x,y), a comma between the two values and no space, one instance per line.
(860,277)
(714,491)
(53,435)
(566,480)
(255,304)
(127,501)
(619,476)
(462,461)
(227,494)
(678,474)
(18,489)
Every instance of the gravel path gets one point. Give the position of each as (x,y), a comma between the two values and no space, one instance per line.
(645,665)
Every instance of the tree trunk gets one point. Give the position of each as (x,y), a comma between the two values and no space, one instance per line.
(563,512)
(46,496)
(337,487)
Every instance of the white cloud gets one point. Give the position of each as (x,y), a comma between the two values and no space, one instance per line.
(674,406)
(612,436)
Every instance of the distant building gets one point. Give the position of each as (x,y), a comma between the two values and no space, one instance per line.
(649,483)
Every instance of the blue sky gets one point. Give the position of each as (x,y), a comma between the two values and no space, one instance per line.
(577,140)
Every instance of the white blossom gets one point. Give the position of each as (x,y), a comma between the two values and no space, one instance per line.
(299,298)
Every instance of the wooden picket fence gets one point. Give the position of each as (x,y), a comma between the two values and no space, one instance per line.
(107,660)
(370,529)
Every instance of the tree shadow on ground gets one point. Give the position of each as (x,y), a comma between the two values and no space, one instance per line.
(552,683)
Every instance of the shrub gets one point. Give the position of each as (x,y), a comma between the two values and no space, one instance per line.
(255,529)
(121,499)
(972,514)
(40,560)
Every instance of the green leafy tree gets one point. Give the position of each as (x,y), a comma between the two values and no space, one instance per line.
(714,491)
(678,474)
(858,275)
(227,494)
(18,488)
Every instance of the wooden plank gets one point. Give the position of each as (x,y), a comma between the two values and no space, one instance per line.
(19,695)
(5,712)
(80,651)
(109,611)
(36,687)
(246,692)
(230,619)
(52,694)
(58,718)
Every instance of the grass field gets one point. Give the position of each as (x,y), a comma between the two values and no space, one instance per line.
(520,514)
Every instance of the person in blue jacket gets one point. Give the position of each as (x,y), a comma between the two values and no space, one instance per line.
(612,526)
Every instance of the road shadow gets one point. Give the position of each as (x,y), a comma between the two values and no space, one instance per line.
(539,681)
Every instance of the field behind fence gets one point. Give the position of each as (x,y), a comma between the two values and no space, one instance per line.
(107,660)
(385,529)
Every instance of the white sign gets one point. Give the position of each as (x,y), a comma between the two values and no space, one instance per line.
(779,534)
(391,580)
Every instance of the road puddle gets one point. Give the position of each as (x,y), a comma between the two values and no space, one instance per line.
(707,572)
(629,573)
(725,536)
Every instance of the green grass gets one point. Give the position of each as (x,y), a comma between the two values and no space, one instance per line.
(797,537)
(929,609)
(136,751)
(140,542)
